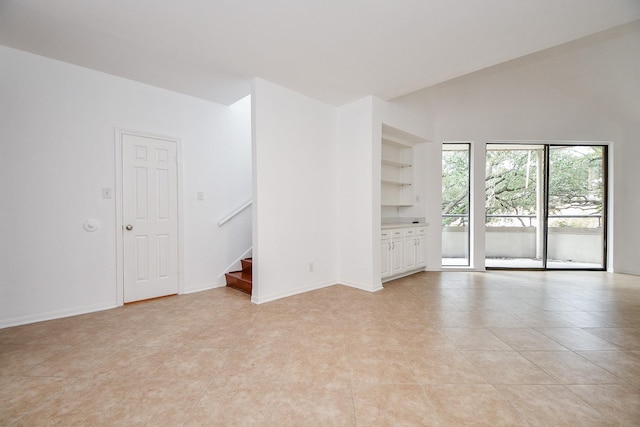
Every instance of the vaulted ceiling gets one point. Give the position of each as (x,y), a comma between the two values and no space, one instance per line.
(333,50)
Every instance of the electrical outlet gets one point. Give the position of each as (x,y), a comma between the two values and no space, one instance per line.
(200,195)
(310,267)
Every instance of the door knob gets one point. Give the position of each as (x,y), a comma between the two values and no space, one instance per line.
(129,227)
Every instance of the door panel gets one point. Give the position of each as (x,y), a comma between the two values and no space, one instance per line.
(150,210)
(576,200)
(514,199)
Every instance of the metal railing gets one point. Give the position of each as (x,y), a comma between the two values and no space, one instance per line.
(531,218)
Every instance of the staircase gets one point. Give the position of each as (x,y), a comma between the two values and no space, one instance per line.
(241,280)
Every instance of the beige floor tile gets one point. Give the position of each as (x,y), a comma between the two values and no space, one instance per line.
(617,404)
(259,335)
(522,339)
(20,359)
(624,365)
(191,363)
(474,339)
(318,335)
(410,321)
(133,362)
(624,338)
(427,339)
(249,362)
(393,405)
(20,395)
(541,319)
(551,405)
(76,362)
(371,338)
(507,367)
(85,402)
(583,319)
(166,336)
(340,355)
(443,367)
(567,367)
(472,405)
(577,339)
(304,404)
(379,366)
(219,336)
(317,365)
(236,404)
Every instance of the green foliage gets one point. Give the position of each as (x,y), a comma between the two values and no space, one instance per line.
(455,186)
(575,186)
(576,179)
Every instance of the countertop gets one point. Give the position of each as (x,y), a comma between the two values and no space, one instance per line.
(403,225)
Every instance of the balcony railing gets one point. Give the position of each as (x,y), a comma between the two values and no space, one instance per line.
(571,238)
(530,218)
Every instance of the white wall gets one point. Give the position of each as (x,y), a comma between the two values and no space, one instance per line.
(626,204)
(58,126)
(577,92)
(295,179)
(356,205)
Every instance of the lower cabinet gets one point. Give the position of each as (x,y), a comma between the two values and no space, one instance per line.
(402,250)
(385,252)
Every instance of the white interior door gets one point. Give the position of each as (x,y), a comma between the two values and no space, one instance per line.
(149,217)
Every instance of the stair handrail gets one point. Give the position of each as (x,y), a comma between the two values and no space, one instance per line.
(234,213)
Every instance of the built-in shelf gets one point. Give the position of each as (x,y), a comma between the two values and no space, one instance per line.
(391,182)
(395,163)
(396,168)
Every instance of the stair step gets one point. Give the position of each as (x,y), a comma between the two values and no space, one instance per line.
(247,264)
(240,280)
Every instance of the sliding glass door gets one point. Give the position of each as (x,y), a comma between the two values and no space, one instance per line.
(576,222)
(514,213)
(545,206)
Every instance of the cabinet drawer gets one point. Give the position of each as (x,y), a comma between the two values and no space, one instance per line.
(396,233)
(421,231)
(409,232)
(385,234)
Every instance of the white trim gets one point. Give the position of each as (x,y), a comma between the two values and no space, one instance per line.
(204,287)
(362,286)
(118,193)
(51,315)
(315,287)
(261,300)
(234,213)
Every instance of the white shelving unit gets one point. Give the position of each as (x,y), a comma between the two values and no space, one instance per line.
(397,174)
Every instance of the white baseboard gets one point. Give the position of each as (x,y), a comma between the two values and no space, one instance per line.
(205,287)
(363,286)
(58,314)
(256,300)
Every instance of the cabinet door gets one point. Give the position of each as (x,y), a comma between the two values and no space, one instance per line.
(421,251)
(385,262)
(409,253)
(397,257)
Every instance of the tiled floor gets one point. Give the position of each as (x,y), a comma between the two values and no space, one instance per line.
(454,348)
